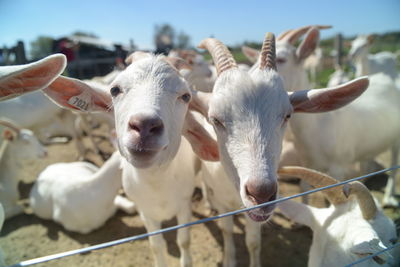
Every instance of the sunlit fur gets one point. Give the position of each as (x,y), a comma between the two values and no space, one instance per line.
(150,86)
(161,187)
(79,195)
(341,235)
(333,142)
(23,150)
(253,107)
(366,63)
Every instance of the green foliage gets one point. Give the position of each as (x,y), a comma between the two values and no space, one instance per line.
(183,41)
(41,47)
(85,34)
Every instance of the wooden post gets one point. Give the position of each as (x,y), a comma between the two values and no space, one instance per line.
(339,49)
(20,57)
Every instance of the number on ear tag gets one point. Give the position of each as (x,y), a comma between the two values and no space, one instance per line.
(83,101)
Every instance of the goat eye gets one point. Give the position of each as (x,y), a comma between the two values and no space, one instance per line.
(115,91)
(217,123)
(287,117)
(186,97)
(280,60)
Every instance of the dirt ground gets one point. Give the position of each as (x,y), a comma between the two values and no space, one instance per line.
(25,236)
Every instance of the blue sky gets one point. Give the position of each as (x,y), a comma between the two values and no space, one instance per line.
(230,21)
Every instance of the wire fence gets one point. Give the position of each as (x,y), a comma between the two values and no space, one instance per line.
(174,228)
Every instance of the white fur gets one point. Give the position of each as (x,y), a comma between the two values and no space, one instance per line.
(341,235)
(45,119)
(21,151)
(371,63)
(162,186)
(338,77)
(333,142)
(79,195)
(224,197)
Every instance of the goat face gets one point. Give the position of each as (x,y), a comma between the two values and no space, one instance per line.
(150,101)
(26,146)
(359,47)
(248,112)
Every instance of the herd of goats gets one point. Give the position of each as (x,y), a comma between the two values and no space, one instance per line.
(242,126)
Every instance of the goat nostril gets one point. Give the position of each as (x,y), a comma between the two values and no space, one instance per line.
(259,194)
(134,127)
(157,129)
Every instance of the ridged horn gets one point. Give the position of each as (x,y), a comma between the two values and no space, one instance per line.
(222,58)
(364,198)
(317,180)
(292,36)
(267,55)
(10,125)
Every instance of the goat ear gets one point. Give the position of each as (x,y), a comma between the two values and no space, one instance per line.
(8,135)
(251,53)
(17,80)
(135,56)
(323,100)
(178,63)
(370,247)
(309,44)
(200,102)
(78,96)
(205,146)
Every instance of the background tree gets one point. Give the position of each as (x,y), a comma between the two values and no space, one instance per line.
(164,38)
(41,47)
(183,41)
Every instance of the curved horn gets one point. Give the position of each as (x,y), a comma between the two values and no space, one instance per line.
(291,36)
(223,59)
(317,180)
(267,56)
(10,125)
(364,197)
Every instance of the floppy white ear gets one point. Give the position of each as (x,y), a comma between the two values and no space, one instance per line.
(78,96)
(251,53)
(370,247)
(323,100)
(309,44)
(203,144)
(20,79)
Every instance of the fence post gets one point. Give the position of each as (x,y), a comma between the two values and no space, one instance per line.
(339,49)
(20,57)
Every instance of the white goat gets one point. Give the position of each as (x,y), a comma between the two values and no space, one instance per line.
(21,79)
(338,77)
(79,195)
(200,75)
(19,148)
(45,119)
(150,101)
(366,63)
(248,111)
(333,142)
(346,231)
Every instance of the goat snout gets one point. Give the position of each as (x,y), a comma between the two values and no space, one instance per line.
(146,126)
(259,193)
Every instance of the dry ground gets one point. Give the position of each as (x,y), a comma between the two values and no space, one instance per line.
(26,236)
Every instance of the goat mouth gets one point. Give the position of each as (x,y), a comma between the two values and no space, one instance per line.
(261,214)
(142,154)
